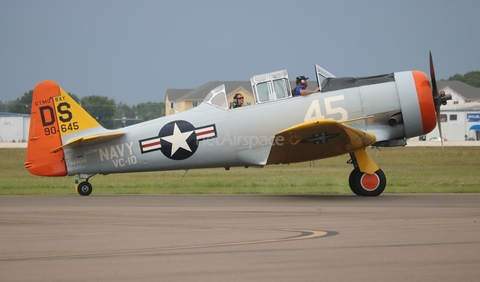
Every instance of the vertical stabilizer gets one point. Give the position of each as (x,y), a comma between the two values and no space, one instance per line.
(54,115)
(44,134)
(56,118)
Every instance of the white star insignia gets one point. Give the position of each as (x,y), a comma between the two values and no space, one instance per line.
(178,140)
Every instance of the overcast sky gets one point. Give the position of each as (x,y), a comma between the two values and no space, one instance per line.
(132,51)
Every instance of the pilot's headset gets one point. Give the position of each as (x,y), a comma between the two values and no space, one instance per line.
(302,79)
(235,100)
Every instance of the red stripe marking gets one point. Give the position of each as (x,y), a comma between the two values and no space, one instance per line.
(150,144)
(205,132)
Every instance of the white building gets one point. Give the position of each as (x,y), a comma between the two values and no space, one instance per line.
(460,118)
(14,127)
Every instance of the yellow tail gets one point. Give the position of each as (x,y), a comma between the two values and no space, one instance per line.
(55,119)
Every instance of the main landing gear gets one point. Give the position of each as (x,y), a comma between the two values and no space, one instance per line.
(84,188)
(363,183)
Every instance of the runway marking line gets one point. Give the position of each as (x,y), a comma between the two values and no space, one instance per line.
(304,234)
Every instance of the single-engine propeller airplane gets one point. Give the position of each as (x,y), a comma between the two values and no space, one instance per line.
(346,116)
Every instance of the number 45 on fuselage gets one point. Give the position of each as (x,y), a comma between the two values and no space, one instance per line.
(347,115)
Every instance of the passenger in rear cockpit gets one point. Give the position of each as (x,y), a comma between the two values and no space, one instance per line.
(238,101)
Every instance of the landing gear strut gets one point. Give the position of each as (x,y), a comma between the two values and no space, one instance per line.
(366,184)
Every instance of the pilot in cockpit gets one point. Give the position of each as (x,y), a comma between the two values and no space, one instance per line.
(301,88)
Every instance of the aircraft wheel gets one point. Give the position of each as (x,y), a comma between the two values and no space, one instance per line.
(84,188)
(364,184)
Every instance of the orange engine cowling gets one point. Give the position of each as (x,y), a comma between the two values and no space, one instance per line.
(416,100)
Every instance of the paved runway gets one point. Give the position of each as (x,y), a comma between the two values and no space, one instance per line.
(240,238)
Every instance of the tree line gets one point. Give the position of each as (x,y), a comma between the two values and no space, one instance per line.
(109,114)
(472,78)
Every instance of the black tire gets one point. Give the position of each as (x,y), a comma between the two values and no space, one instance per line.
(363,184)
(84,188)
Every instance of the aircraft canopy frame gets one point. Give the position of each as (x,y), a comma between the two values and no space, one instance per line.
(271,86)
(322,76)
(217,97)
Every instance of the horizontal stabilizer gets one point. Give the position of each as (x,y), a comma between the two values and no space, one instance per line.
(89,140)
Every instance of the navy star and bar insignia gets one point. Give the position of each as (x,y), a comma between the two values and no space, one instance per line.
(178,140)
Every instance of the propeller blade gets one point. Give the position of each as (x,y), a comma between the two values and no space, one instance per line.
(436,95)
(437,100)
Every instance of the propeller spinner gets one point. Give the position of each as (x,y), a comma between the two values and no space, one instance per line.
(438,98)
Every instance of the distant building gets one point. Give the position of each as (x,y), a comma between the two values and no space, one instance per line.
(174,101)
(14,127)
(460,118)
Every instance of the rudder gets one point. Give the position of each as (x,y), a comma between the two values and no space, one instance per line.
(44,133)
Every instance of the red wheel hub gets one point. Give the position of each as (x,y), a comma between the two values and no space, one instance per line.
(370,182)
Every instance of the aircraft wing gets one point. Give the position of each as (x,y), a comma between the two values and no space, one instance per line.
(317,139)
(89,140)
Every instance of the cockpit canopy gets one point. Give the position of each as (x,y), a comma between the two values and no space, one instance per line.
(271,86)
(266,87)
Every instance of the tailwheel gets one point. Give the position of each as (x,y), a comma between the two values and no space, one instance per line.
(84,188)
(364,184)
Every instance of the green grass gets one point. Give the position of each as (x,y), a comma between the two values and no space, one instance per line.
(408,170)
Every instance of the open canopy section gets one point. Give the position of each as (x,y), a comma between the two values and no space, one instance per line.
(217,97)
(322,75)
